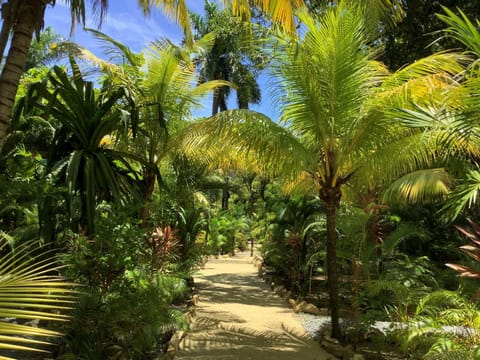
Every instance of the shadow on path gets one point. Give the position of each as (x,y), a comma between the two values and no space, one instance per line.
(238,317)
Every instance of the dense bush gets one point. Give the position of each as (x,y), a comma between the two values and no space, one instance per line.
(125,310)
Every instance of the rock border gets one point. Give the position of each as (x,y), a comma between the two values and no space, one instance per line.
(334,347)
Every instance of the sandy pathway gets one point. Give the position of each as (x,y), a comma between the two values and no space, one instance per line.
(238,317)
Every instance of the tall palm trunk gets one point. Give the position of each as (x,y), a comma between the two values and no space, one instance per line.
(332,200)
(30,13)
(147,193)
(219,104)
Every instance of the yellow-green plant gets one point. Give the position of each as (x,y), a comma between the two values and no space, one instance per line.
(445,326)
(334,131)
(31,289)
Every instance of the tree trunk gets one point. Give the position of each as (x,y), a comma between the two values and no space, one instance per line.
(263,187)
(47,221)
(219,104)
(147,193)
(332,200)
(30,14)
(225,199)
(215,101)
(222,101)
(8,9)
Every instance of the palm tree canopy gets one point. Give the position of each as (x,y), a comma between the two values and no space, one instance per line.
(333,119)
(451,122)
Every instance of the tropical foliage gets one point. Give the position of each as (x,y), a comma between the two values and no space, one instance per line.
(335,129)
(113,191)
(31,291)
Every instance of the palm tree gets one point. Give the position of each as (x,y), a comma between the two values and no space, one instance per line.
(453,123)
(169,98)
(333,97)
(22,18)
(232,58)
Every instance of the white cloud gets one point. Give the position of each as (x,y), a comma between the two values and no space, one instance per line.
(138,31)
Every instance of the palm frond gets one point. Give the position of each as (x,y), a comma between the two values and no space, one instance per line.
(444,66)
(462,29)
(465,195)
(116,50)
(280,11)
(303,183)
(341,76)
(399,151)
(31,289)
(246,136)
(420,186)
(402,232)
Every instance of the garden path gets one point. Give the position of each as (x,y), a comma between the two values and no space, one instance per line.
(238,317)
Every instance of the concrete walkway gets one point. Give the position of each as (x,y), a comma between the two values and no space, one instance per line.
(238,317)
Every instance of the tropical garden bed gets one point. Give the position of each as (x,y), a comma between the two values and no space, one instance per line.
(113,189)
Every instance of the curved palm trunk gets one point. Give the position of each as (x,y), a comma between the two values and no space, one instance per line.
(30,13)
(332,200)
(7,9)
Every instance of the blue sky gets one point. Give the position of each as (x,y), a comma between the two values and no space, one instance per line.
(126,22)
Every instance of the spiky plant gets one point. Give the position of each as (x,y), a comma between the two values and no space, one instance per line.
(472,250)
(163,246)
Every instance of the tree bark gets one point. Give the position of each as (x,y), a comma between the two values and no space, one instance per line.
(225,199)
(332,200)
(219,104)
(30,14)
(147,193)
(215,101)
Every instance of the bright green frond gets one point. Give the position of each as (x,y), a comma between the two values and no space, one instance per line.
(30,290)
(325,78)
(420,186)
(451,130)
(303,183)
(464,196)
(117,50)
(246,135)
(462,29)
(446,63)
(399,152)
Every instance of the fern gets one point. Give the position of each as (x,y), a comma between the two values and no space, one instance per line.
(403,232)
(437,301)
(381,287)
(446,326)
(446,349)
